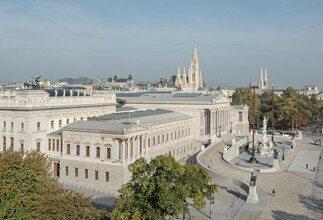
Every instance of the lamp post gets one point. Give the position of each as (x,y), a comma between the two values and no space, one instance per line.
(273,115)
(211,202)
(252,158)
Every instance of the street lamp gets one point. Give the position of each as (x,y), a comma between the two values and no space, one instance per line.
(253,158)
(211,202)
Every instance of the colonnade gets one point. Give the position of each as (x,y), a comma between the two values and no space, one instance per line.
(219,119)
(133,148)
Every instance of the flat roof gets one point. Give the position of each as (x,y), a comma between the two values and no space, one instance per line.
(121,123)
(171,98)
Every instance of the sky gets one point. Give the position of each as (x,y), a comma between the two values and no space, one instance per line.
(151,38)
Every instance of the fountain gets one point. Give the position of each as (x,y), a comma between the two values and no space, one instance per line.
(265,147)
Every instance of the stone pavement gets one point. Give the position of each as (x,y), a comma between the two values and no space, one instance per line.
(297,193)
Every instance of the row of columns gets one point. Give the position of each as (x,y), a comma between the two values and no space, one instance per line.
(219,120)
(133,148)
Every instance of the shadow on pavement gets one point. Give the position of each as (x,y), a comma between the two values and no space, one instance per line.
(281,215)
(106,203)
(312,203)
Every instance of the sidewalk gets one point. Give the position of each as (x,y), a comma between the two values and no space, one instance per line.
(291,201)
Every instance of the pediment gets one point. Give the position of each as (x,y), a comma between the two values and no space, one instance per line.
(136,128)
(221,99)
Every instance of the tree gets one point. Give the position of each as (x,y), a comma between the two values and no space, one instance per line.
(27,191)
(244,96)
(160,188)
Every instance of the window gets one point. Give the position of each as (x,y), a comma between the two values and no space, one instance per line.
(81,118)
(22,126)
(67,121)
(163,139)
(53,144)
(167,137)
(38,126)
(87,151)
(154,141)
(11,126)
(38,146)
(4,125)
(22,147)
(52,124)
(4,144)
(68,149)
(148,142)
(78,150)
(96,175)
(240,116)
(158,142)
(11,143)
(57,145)
(108,153)
(97,151)
(107,176)
(66,171)
(74,119)
(76,172)
(86,173)
(49,144)
(60,123)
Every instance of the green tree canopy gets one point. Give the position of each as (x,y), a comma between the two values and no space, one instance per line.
(160,188)
(244,96)
(27,191)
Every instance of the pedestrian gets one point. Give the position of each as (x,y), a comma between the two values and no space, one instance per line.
(306,166)
(273,192)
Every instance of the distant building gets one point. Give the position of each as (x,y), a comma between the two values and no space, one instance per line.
(194,80)
(121,84)
(309,90)
(319,96)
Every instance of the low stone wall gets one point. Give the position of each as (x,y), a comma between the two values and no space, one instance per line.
(201,161)
(233,151)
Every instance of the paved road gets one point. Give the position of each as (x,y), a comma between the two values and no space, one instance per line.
(295,190)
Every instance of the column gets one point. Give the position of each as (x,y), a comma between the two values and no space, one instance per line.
(123,150)
(138,146)
(211,122)
(146,145)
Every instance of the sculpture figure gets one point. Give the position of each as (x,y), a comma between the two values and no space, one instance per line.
(275,154)
(33,84)
(253,179)
(264,122)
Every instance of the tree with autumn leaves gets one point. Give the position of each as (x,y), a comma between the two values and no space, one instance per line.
(290,108)
(28,191)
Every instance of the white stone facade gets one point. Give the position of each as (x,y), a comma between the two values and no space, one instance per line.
(210,112)
(27,116)
(98,160)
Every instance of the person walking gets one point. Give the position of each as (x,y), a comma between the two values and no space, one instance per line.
(273,192)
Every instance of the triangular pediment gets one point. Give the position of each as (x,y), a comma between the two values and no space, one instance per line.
(221,99)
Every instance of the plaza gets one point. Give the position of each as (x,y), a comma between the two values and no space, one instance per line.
(298,191)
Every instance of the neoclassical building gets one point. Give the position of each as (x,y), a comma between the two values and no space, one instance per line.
(194,80)
(96,153)
(27,116)
(212,114)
